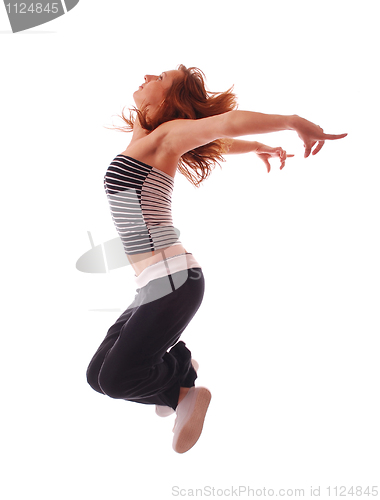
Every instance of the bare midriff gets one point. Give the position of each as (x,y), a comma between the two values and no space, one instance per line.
(141,261)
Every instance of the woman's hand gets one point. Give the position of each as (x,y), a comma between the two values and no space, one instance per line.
(265,153)
(312,134)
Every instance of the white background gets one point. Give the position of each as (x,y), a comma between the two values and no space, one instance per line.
(287,335)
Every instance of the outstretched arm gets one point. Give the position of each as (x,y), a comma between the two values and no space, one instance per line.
(185,135)
(247,122)
(265,153)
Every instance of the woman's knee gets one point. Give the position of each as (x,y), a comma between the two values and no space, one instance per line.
(120,385)
(92,375)
(112,386)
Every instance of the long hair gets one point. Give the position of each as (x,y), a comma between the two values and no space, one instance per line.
(188,98)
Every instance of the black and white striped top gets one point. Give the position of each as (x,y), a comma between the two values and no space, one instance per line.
(140,201)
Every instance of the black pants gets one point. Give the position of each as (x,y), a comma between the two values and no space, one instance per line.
(133,362)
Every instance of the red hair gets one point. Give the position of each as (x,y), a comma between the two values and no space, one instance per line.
(188,98)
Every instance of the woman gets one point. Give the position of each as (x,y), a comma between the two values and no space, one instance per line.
(179,126)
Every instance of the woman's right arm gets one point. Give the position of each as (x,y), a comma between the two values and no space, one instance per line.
(185,135)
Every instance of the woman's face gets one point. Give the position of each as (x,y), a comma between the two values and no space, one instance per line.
(154,89)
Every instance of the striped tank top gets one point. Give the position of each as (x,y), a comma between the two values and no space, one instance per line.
(139,196)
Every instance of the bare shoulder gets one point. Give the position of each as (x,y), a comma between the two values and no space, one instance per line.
(164,146)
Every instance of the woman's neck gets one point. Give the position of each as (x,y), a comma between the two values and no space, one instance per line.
(138,132)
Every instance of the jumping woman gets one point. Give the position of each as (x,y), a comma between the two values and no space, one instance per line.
(177,125)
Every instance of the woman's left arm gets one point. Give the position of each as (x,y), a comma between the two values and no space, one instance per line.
(265,153)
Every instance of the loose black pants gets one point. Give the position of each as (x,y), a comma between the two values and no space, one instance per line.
(133,361)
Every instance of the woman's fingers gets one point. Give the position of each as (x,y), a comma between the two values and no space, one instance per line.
(321,143)
(283,156)
(268,152)
(309,147)
(267,164)
(273,153)
(319,147)
(310,134)
(284,153)
(332,137)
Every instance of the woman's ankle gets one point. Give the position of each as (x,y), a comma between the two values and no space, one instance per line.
(182,393)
